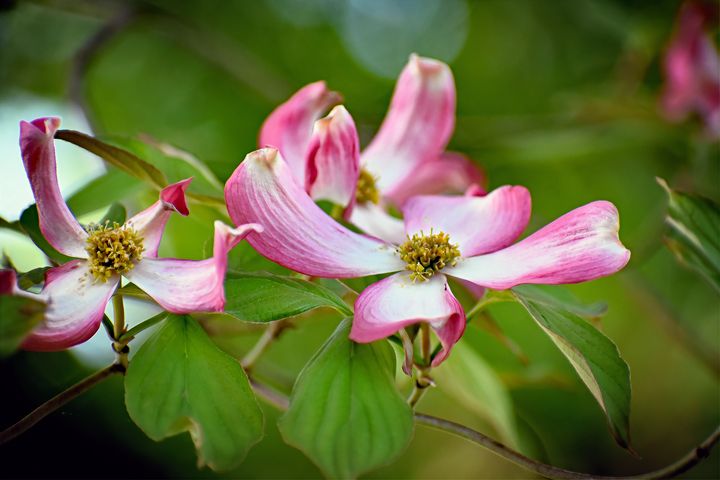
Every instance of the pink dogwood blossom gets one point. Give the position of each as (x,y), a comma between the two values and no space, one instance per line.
(467,237)
(407,156)
(78,291)
(692,68)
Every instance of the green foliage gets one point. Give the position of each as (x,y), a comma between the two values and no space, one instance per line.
(18,317)
(345,411)
(115,214)
(694,232)
(34,277)
(468,378)
(116,157)
(264,297)
(594,356)
(31,224)
(103,190)
(180,381)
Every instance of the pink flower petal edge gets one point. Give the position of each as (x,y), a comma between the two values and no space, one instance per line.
(76,304)
(333,159)
(476,224)
(298,234)
(450,173)
(289,127)
(57,223)
(185,286)
(150,223)
(395,302)
(581,245)
(418,125)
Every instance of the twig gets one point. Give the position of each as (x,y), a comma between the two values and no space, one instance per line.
(678,467)
(272,332)
(58,401)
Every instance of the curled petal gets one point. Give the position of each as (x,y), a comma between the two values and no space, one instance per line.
(396,302)
(298,234)
(289,126)
(579,246)
(57,223)
(150,223)
(333,159)
(476,224)
(450,173)
(374,220)
(186,286)
(76,304)
(418,124)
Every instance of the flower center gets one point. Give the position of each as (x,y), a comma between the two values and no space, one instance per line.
(366,188)
(113,250)
(427,254)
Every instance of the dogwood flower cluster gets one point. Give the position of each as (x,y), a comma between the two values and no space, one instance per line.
(271,198)
(407,156)
(78,291)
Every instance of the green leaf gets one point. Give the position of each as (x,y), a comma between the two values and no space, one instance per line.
(180,381)
(345,411)
(175,163)
(594,356)
(31,224)
(470,380)
(694,235)
(115,156)
(18,317)
(563,298)
(115,214)
(15,226)
(264,297)
(34,277)
(104,190)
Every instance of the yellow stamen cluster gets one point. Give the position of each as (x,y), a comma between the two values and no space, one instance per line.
(366,188)
(427,254)
(113,250)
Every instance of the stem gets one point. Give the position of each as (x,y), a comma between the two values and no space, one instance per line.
(490,297)
(144,325)
(423,380)
(676,468)
(692,458)
(269,335)
(119,317)
(121,349)
(58,401)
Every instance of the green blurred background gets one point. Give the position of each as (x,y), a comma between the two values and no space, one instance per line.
(557,95)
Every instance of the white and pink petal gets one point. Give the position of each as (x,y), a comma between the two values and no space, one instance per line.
(298,234)
(375,221)
(333,159)
(150,223)
(477,224)
(186,286)
(76,305)
(57,223)
(289,127)
(450,173)
(418,125)
(395,302)
(581,245)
